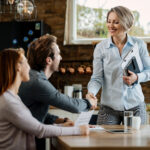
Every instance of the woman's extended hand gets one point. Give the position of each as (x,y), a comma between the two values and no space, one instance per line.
(129,80)
(84,129)
(92,99)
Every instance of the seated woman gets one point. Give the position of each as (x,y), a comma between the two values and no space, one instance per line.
(17,126)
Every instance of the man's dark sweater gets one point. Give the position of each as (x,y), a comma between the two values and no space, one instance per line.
(38,94)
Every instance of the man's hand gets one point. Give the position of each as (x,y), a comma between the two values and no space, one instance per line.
(66,122)
(92,99)
(129,80)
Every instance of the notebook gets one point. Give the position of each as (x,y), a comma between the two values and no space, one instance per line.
(132,66)
(132,61)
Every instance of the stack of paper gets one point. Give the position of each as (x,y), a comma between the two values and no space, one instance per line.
(84,119)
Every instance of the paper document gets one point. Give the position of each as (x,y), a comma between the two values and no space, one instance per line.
(132,61)
(96,128)
(84,118)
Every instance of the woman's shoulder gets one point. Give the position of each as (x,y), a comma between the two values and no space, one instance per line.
(8,100)
(9,97)
(103,44)
(136,40)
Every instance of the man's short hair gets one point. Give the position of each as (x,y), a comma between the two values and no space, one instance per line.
(39,50)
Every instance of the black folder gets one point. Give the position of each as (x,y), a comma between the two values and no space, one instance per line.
(132,66)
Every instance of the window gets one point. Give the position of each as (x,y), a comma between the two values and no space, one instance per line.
(86,19)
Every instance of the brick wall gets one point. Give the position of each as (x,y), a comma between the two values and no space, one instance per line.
(52,12)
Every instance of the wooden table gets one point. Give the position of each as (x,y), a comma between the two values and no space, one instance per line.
(102,140)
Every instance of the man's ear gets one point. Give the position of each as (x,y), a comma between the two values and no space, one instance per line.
(49,60)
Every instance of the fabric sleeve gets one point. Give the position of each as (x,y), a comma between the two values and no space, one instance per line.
(50,119)
(20,116)
(96,80)
(49,95)
(145,74)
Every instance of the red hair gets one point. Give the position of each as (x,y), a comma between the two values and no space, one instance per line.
(8,61)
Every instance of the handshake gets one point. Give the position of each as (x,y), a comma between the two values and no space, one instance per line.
(92,99)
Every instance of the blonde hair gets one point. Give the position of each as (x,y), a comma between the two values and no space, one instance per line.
(125,16)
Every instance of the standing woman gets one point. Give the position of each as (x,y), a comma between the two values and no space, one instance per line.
(117,94)
(17,126)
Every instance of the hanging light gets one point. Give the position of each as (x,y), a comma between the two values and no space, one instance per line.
(25,7)
(11,1)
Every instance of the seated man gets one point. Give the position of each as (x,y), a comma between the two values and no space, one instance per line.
(38,94)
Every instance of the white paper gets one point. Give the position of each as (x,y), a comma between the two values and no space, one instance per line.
(134,52)
(84,118)
(96,128)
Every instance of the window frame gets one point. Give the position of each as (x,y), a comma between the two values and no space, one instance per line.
(72,27)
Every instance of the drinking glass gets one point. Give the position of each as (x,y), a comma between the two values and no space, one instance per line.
(128,117)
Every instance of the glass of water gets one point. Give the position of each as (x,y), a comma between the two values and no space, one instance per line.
(128,117)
